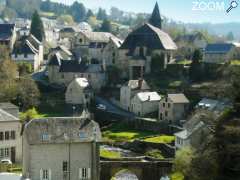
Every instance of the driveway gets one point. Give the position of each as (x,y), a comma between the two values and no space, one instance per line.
(111,108)
(9,176)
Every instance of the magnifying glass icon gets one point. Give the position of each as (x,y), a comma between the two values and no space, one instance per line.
(233,5)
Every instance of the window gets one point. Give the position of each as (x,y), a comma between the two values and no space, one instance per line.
(80,40)
(65,166)
(84,173)
(166,100)
(7,135)
(6,152)
(15,55)
(45,174)
(13,135)
(141,52)
(1,153)
(164,105)
(25,55)
(169,105)
(1,136)
(161,116)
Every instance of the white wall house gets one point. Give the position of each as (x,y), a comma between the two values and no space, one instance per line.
(10,138)
(79,92)
(61,149)
(28,50)
(144,103)
(129,90)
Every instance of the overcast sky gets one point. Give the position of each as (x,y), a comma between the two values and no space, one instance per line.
(179,10)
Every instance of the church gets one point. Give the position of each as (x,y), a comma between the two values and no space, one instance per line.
(142,44)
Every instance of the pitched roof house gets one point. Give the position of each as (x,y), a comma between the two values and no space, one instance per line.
(28,49)
(7,35)
(141,44)
(219,53)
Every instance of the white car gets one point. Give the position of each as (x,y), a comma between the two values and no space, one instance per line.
(6,161)
(101,107)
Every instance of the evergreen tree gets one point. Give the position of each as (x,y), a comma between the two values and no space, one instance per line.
(89,14)
(195,70)
(37,28)
(106,26)
(230,36)
(78,11)
(101,15)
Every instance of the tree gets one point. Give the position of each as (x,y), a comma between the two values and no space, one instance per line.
(78,11)
(66,19)
(195,70)
(37,28)
(183,160)
(93,22)
(29,115)
(28,93)
(101,15)
(89,14)
(106,26)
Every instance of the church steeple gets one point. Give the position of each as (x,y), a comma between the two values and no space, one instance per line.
(155,19)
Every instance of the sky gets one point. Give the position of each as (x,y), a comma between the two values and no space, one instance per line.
(195,11)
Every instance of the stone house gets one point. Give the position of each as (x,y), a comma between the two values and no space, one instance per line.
(10,135)
(130,89)
(30,50)
(173,108)
(144,103)
(8,35)
(79,92)
(61,148)
(91,44)
(62,72)
(219,53)
(143,43)
(110,52)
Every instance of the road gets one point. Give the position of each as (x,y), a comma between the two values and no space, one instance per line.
(111,108)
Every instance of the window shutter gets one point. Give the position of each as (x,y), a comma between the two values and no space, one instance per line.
(89,173)
(50,174)
(41,174)
(80,173)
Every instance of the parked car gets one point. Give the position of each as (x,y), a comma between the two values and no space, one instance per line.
(6,161)
(101,107)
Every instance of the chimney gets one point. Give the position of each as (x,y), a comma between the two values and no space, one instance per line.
(140,82)
(149,98)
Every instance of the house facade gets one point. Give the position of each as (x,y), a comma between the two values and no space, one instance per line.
(173,108)
(28,49)
(144,103)
(143,43)
(79,92)
(129,90)
(10,137)
(61,149)
(218,53)
(8,35)
(62,72)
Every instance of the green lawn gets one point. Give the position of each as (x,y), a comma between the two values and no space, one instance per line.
(109,154)
(155,154)
(235,62)
(177,176)
(160,139)
(121,133)
(185,62)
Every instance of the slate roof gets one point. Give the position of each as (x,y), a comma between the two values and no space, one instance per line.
(72,66)
(55,60)
(5,116)
(6,31)
(98,36)
(222,48)
(150,37)
(178,98)
(27,45)
(155,19)
(68,30)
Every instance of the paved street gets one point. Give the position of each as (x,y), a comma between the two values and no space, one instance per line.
(111,108)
